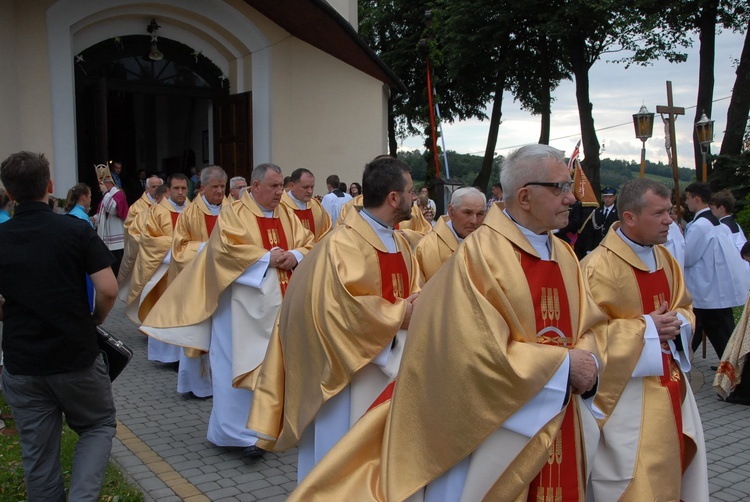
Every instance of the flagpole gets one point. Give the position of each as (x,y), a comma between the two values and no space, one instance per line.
(433,131)
(442,139)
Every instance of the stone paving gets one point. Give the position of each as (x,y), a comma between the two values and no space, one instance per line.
(161,440)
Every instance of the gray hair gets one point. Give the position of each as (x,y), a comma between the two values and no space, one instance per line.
(210,172)
(524,166)
(148,181)
(459,195)
(233,181)
(259,173)
(632,192)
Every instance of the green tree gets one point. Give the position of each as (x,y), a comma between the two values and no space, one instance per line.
(490,46)
(739,106)
(590,29)
(394,28)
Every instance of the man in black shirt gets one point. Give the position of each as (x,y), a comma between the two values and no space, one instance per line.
(52,361)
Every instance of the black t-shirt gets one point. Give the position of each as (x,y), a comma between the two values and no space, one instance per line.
(44,259)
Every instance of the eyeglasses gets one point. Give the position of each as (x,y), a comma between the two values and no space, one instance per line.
(563,186)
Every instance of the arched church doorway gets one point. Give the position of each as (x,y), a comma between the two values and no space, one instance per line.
(152,110)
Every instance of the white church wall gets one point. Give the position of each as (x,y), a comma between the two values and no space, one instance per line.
(309,109)
(24,79)
(328,116)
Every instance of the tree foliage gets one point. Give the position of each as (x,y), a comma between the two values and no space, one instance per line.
(481,48)
(463,167)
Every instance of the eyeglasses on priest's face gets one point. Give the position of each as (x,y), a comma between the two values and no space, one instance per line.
(563,186)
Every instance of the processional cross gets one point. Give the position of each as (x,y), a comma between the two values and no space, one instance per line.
(672,112)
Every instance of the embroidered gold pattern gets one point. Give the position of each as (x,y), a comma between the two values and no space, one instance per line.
(398,285)
(283,278)
(556,303)
(550,305)
(658,300)
(273,237)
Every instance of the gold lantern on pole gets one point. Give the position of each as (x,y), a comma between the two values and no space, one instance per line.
(643,121)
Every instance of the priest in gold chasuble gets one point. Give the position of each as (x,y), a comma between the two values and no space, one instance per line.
(193,228)
(493,398)
(354,202)
(465,214)
(197,222)
(342,324)
(300,199)
(225,302)
(651,445)
(150,278)
(133,242)
(132,233)
(413,229)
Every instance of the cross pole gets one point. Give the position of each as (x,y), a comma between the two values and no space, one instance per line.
(672,111)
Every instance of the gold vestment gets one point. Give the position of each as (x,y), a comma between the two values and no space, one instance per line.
(332,323)
(471,361)
(154,244)
(435,248)
(132,237)
(183,314)
(190,232)
(656,471)
(320,216)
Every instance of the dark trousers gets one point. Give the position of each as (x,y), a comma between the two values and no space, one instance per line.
(118,253)
(718,325)
(742,391)
(38,404)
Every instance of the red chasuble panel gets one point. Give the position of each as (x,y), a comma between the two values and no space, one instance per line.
(174,216)
(654,289)
(272,233)
(210,222)
(306,217)
(559,479)
(384,396)
(394,277)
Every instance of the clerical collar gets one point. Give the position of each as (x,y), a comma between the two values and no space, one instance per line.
(384,233)
(700,211)
(631,241)
(214,208)
(540,242)
(367,213)
(176,207)
(725,217)
(458,238)
(153,201)
(268,213)
(644,252)
(300,204)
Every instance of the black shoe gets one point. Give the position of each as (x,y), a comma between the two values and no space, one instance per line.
(738,400)
(253,452)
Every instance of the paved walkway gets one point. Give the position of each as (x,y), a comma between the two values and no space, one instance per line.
(161,438)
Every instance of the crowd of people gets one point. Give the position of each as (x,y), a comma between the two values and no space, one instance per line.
(495,352)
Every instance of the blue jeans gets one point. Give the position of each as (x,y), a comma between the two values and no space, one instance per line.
(38,403)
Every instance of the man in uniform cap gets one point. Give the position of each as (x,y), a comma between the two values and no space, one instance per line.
(605,214)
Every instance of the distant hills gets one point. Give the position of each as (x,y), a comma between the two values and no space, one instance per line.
(614,172)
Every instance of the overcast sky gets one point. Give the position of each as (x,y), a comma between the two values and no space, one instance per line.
(616,93)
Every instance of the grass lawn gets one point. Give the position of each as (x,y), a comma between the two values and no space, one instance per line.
(12,489)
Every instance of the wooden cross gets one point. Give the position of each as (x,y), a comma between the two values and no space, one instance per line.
(672,111)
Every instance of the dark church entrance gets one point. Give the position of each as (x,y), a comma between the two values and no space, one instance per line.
(152,111)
